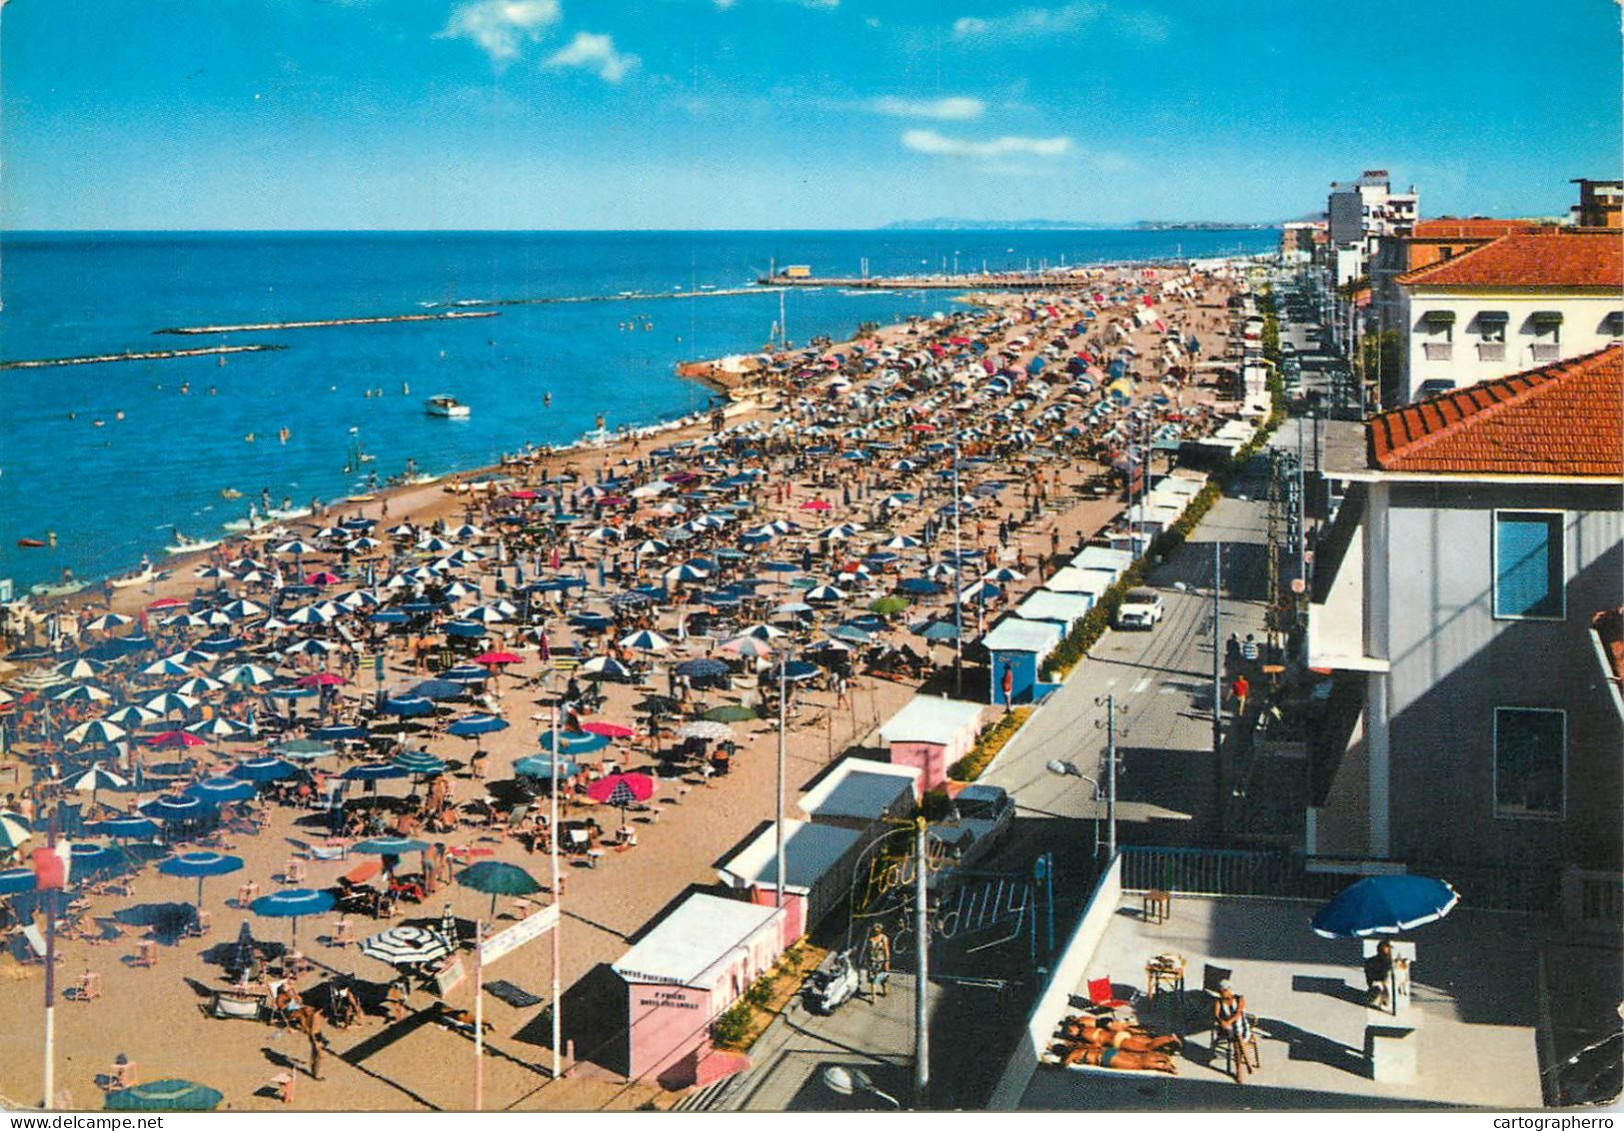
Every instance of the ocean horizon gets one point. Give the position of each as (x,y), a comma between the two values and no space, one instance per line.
(113,457)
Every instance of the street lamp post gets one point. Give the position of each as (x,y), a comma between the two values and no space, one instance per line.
(958,578)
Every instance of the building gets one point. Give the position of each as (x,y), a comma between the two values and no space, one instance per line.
(1524,299)
(930,733)
(1017,648)
(818,860)
(1467,725)
(1601,204)
(1429,242)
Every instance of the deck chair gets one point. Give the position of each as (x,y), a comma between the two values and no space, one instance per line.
(1212,976)
(515,821)
(1102,996)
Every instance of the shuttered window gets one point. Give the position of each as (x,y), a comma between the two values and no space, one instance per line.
(1528,566)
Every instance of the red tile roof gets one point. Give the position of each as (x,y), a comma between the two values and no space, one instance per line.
(1561,419)
(1554,258)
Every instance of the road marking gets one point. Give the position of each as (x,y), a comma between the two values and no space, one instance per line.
(1140,686)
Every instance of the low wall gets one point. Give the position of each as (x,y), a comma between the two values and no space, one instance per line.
(1056,997)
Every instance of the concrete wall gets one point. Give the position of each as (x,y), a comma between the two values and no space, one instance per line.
(930,758)
(1453,663)
(1064,979)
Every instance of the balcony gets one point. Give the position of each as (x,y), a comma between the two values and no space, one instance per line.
(1491,351)
(1439,351)
(1546,352)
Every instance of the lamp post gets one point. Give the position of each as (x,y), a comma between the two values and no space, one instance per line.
(958,575)
(1068,769)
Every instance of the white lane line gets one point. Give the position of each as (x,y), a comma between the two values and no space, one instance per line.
(1140,686)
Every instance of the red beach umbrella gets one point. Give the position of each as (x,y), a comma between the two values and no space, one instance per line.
(166,603)
(621,791)
(322,577)
(610,730)
(817,505)
(172,739)
(496,659)
(321,679)
(525,495)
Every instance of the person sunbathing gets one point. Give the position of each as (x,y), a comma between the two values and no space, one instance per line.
(1117,1034)
(1126,1060)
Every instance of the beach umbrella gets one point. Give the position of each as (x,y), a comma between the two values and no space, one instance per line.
(320,679)
(622,791)
(186,620)
(87,858)
(373,771)
(646,641)
(535,766)
(390,616)
(123,827)
(247,675)
(826,593)
(936,631)
(918,587)
(688,571)
(166,702)
(173,807)
(465,673)
(109,620)
(498,878)
(218,791)
(264,769)
(242,608)
(496,659)
(338,732)
(406,945)
(97,730)
(198,685)
(651,547)
(438,689)
(410,706)
(606,667)
(706,729)
(851,634)
(748,646)
(389,846)
(218,727)
(476,726)
(1005,574)
(817,505)
(82,693)
(174,740)
(295,903)
(609,730)
(95,780)
(310,647)
(420,762)
(764,631)
(702,668)
(729,713)
(13,832)
(887,606)
(164,1095)
(80,668)
(201,865)
(303,750)
(15,881)
(574,742)
(297,548)
(1385,905)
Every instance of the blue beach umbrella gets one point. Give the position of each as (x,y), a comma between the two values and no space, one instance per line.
(1385,905)
(420,762)
(389,846)
(409,706)
(176,807)
(201,865)
(164,1095)
(96,858)
(264,769)
(498,878)
(438,689)
(303,750)
(476,726)
(123,827)
(218,791)
(373,771)
(536,766)
(574,742)
(338,732)
(14,881)
(295,903)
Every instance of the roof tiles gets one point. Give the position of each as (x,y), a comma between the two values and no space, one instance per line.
(1555,258)
(1562,419)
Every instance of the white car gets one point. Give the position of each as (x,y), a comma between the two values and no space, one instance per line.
(1141,608)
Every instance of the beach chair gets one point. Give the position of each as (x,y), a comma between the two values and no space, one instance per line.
(200,926)
(281,1086)
(88,989)
(1102,996)
(343,932)
(293,872)
(332,850)
(146,953)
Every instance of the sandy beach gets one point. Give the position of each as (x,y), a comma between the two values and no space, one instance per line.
(783,449)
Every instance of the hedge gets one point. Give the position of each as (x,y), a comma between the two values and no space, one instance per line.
(988,743)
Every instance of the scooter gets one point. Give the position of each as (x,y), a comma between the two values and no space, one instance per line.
(833,984)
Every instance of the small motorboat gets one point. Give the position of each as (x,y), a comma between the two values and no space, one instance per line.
(443,404)
(30,543)
(135,577)
(185,545)
(65,589)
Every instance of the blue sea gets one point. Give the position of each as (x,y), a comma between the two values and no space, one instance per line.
(112,493)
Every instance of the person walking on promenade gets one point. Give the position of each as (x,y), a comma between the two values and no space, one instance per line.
(877,961)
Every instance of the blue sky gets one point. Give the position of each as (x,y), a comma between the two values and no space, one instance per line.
(787,113)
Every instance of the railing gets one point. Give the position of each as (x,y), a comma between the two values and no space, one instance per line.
(1438,351)
(1491,351)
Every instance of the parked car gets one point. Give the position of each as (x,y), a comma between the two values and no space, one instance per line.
(1141,608)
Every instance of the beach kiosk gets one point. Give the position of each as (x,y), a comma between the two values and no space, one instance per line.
(1064,609)
(817,871)
(931,733)
(685,973)
(1019,646)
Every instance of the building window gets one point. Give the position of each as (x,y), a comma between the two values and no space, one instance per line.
(1613,324)
(1547,326)
(1491,329)
(1530,762)
(1528,565)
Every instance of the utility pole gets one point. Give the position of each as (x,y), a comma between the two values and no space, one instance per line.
(922,974)
(1110,778)
(778,824)
(1217,680)
(52,904)
(553,835)
(958,581)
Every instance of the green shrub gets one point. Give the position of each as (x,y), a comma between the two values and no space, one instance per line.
(733,1026)
(988,743)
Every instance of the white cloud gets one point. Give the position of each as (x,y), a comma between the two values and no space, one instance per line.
(501,27)
(595,53)
(1027,23)
(937,145)
(955,109)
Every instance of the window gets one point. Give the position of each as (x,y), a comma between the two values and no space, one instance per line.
(1491,324)
(1528,565)
(1530,762)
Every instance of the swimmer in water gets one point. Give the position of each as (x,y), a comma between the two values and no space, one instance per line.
(98,423)
(547,400)
(185,387)
(73,416)
(405,389)
(213,391)
(119,415)
(249,438)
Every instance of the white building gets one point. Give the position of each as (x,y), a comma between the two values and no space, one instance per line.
(1518,302)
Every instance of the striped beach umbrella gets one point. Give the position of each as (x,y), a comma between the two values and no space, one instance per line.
(13,832)
(646,640)
(81,668)
(96,730)
(247,675)
(406,945)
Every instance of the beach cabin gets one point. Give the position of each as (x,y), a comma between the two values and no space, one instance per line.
(1104,559)
(857,794)
(931,733)
(1019,646)
(1089,583)
(818,863)
(685,973)
(1064,609)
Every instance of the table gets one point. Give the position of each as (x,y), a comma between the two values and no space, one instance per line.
(1156,907)
(1164,972)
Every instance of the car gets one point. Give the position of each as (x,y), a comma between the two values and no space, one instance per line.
(1141,608)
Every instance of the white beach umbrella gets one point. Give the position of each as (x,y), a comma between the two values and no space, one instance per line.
(646,641)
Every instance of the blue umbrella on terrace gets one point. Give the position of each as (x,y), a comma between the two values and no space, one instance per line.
(201,865)
(1385,905)
(295,903)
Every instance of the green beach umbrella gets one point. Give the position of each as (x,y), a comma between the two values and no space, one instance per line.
(886,606)
(165,1095)
(498,878)
(729,713)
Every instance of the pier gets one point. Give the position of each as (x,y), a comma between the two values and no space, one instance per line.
(262,326)
(144,355)
(629,296)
